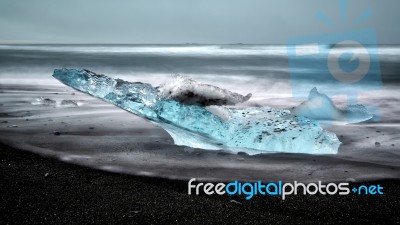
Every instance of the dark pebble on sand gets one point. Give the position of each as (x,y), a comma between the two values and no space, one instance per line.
(91,128)
(56,133)
(377,144)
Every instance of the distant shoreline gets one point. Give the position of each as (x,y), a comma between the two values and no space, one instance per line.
(169,44)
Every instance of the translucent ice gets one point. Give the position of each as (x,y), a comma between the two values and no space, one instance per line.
(44,101)
(190,123)
(320,107)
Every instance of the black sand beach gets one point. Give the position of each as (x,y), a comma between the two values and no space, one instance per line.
(69,158)
(39,190)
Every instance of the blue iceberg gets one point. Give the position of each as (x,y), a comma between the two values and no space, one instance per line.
(196,115)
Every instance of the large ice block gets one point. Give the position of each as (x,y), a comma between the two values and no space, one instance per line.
(192,123)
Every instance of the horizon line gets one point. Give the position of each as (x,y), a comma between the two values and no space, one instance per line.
(188,43)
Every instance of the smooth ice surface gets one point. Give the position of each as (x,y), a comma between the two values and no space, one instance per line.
(252,130)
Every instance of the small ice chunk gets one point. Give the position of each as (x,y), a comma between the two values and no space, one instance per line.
(44,101)
(320,107)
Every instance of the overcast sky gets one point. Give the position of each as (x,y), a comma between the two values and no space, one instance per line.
(186,21)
